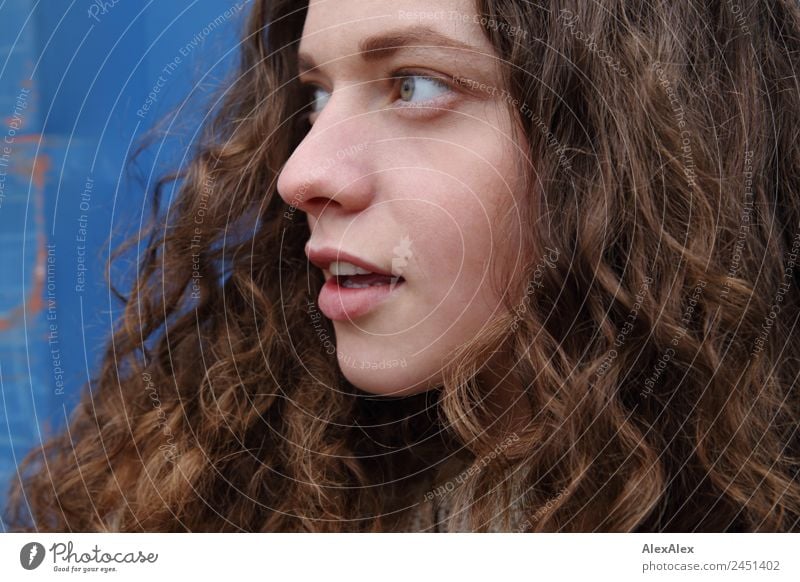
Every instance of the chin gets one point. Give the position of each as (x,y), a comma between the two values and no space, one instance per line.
(393,382)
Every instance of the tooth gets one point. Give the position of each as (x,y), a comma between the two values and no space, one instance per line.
(350,284)
(353,285)
(344,268)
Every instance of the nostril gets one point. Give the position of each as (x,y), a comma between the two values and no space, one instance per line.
(319,203)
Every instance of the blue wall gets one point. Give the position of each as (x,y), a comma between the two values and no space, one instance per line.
(80,84)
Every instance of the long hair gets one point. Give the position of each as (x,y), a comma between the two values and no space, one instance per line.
(651,334)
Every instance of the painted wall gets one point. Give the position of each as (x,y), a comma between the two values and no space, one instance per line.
(81,83)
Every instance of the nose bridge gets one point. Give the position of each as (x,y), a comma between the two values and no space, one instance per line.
(331,162)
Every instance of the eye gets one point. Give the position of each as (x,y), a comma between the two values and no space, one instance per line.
(319,98)
(420,88)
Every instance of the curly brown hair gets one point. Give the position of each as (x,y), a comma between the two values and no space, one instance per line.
(658,354)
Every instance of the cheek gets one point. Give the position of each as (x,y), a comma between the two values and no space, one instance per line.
(452,294)
(467,293)
(464,224)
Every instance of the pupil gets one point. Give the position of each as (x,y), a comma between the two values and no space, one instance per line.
(407,88)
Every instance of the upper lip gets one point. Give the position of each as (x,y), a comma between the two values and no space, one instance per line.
(324,256)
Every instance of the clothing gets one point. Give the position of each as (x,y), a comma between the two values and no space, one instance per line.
(431,517)
(441,515)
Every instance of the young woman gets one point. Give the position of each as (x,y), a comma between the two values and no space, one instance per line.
(490,266)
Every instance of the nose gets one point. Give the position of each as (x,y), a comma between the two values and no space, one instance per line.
(330,169)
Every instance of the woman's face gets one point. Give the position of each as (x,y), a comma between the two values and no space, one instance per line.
(407,172)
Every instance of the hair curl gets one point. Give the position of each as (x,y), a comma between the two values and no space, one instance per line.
(658,351)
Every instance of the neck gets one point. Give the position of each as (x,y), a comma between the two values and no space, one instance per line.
(504,398)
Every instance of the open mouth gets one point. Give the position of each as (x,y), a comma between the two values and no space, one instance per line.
(353,287)
(347,297)
(369,280)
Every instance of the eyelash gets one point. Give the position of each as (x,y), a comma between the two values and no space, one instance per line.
(425,108)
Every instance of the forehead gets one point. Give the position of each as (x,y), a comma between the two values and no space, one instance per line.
(338,28)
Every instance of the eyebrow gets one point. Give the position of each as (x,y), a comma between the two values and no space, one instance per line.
(385,44)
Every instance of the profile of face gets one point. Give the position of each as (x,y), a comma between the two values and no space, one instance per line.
(410,180)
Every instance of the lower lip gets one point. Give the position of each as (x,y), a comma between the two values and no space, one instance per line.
(344,303)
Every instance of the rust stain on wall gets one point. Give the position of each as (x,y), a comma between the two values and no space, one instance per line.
(34,168)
